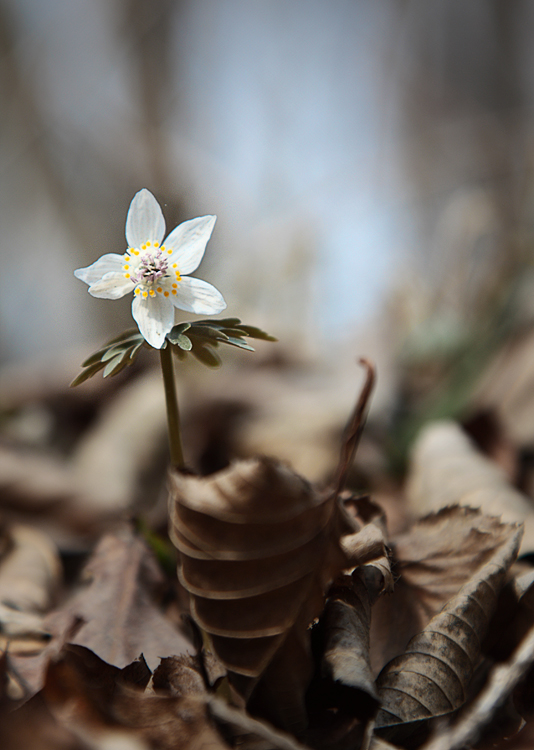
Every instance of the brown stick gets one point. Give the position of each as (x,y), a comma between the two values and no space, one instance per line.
(354,429)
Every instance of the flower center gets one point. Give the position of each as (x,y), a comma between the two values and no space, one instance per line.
(152,267)
(149,270)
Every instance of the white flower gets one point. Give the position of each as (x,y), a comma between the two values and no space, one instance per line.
(156,272)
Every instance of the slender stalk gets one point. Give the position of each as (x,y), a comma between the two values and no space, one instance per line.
(173,414)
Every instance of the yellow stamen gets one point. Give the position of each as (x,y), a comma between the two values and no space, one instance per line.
(174,286)
(165,294)
(145,294)
(156,244)
(174,291)
(159,290)
(152,293)
(169,252)
(136,252)
(126,275)
(148,243)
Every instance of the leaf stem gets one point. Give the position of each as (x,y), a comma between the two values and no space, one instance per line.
(173,413)
(354,429)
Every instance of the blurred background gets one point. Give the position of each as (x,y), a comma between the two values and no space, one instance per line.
(370,165)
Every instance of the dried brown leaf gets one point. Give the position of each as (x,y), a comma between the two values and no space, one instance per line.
(431,677)
(446,469)
(346,681)
(115,613)
(346,667)
(180,675)
(185,675)
(258,548)
(118,607)
(499,687)
(91,699)
(433,560)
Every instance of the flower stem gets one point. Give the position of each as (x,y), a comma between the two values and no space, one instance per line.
(173,414)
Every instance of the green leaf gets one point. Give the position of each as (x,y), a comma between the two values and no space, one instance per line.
(234,341)
(120,352)
(102,354)
(257,333)
(135,349)
(208,332)
(204,336)
(115,351)
(115,365)
(184,343)
(232,331)
(177,330)
(223,322)
(86,374)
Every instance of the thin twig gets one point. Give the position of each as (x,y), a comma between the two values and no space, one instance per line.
(354,429)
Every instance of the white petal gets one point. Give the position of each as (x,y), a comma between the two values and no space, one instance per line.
(188,242)
(197,296)
(144,220)
(109,263)
(112,286)
(155,318)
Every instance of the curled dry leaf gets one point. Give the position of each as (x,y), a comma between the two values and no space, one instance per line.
(345,664)
(431,677)
(446,469)
(258,548)
(346,681)
(369,545)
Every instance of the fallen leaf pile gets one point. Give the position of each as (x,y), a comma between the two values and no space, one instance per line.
(296,619)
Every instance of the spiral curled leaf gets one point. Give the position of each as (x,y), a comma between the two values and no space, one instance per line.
(259,547)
